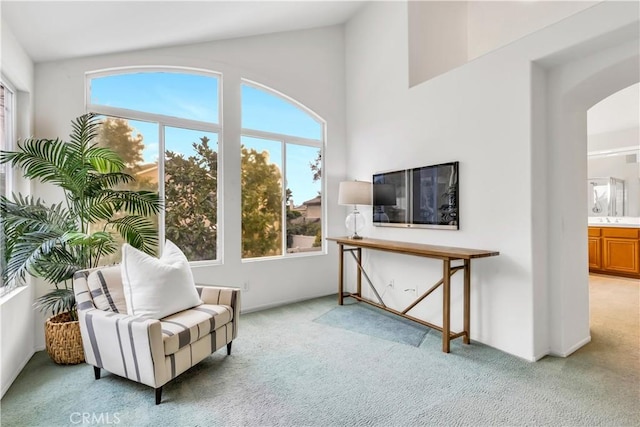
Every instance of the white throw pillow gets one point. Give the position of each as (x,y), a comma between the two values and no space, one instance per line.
(156,288)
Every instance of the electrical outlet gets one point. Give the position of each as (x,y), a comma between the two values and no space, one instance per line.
(392,284)
(245,286)
(412,291)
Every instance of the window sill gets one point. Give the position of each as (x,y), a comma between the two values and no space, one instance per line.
(294,255)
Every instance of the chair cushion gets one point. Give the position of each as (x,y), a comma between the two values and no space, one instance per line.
(105,285)
(155,288)
(188,326)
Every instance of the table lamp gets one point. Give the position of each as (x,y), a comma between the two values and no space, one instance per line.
(355,193)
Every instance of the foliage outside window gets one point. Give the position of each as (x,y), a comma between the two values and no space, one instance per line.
(281,176)
(6,138)
(166,123)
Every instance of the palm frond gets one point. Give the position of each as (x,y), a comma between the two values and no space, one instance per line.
(59,266)
(97,208)
(33,232)
(141,202)
(28,251)
(84,130)
(109,180)
(52,242)
(57,301)
(138,231)
(30,214)
(42,159)
(98,245)
(105,204)
(104,160)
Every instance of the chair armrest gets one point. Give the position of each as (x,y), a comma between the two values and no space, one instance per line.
(125,345)
(81,291)
(220,295)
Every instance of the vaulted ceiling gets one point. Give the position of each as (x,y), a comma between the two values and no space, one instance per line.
(53,30)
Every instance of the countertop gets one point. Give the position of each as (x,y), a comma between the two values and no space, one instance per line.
(623,222)
(614,225)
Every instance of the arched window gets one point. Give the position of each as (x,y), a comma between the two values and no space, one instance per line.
(282,204)
(165,123)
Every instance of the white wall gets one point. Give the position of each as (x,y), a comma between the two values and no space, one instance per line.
(616,112)
(481,115)
(586,74)
(18,69)
(16,312)
(493,24)
(16,334)
(446,34)
(305,65)
(615,139)
(437,38)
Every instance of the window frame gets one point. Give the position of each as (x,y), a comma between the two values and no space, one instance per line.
(284,140)
(10,136)
(9,127)
(164,121)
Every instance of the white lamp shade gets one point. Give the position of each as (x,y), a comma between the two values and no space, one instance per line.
(354,193)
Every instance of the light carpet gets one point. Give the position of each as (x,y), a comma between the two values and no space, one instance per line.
(289,370)
(365,319)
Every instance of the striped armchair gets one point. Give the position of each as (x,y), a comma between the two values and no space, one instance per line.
(150,352)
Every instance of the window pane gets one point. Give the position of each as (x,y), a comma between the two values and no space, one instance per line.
(304,220)
(191,192)
(270,113)
(137,144)
(188,96)
(3,142)
(261,197)
(3,172)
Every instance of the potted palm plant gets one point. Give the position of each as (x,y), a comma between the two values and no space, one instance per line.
(54,241)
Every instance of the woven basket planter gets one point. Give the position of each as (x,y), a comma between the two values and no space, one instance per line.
(63,340)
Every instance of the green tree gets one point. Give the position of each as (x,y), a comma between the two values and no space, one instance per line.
(316,167)
(191,195)
(261,205)
(117,134)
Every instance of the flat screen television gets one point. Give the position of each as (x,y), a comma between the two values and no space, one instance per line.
(424,197)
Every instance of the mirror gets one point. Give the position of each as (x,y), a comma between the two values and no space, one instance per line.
(607,197)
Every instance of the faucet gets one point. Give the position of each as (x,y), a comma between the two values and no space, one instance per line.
(608,220)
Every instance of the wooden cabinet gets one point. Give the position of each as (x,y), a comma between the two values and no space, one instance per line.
(614,250)
(595,248)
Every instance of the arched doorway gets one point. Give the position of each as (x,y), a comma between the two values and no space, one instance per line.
(568,85)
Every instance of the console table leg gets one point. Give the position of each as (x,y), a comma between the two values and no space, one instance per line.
(467,302)
(446,305)
(359,277)
(340,273)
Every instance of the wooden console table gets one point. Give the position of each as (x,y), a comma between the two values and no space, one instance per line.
(444,253)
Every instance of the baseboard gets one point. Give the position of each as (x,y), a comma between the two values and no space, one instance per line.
(540,356)
(7,386)
(286,302)
(573,348)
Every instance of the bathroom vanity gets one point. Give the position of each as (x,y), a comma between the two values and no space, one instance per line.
(614,248)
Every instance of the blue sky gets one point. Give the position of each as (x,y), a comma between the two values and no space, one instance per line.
(193,96)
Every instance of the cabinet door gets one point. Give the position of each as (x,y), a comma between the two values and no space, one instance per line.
(621,255)
(595,257)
